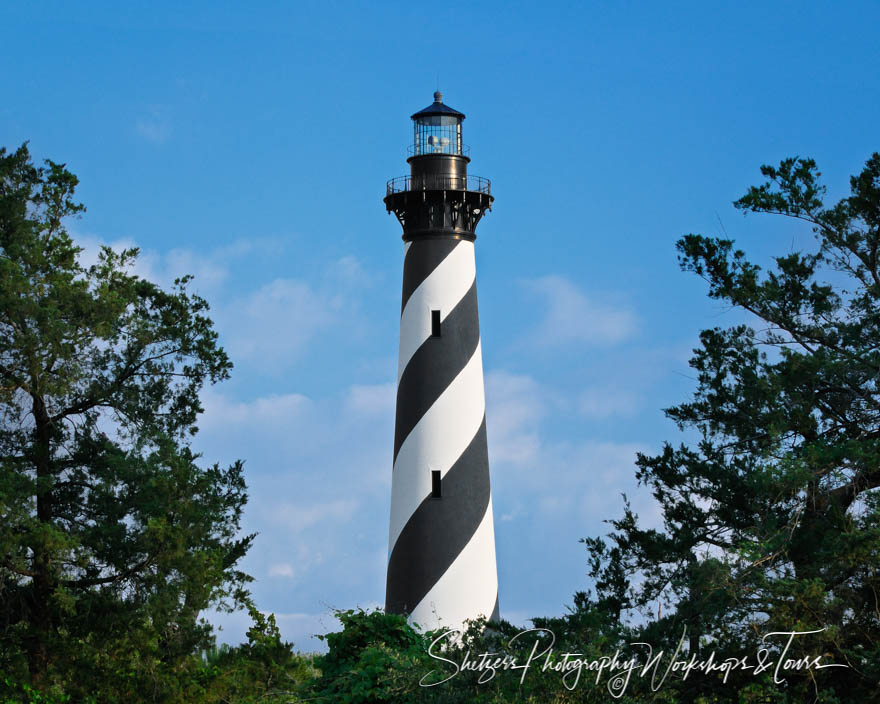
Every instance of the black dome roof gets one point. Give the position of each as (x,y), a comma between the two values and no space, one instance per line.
(438,108)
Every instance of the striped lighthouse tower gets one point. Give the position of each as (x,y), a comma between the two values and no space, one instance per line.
(441,565)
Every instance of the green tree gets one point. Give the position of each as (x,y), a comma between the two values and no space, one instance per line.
(772,515)
(265,669)
(112,538)
(379,657)
(376,657)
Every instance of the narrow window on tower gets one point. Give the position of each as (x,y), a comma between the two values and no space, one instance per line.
(435,323)
(435,484)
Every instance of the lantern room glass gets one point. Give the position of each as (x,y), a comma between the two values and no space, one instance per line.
(437,134)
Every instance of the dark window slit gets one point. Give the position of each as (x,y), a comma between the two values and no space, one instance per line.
(435,484)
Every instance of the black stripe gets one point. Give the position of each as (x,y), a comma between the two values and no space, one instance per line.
(422,257)
(435,365)
(439,529)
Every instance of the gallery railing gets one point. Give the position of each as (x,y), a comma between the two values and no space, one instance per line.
(436,182)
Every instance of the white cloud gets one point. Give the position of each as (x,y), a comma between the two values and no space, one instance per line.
(515,404)
(539,475)
(270,326)
(269,414)
(283,569)
(318,473)
(298,517)
(609,401)
(599,465)
(155,126)
(276,322)
(536,473)
(572,317)
(210,270)
(294,436)
(348,271)
(372,400)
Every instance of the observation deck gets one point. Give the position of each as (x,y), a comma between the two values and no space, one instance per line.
(438,182)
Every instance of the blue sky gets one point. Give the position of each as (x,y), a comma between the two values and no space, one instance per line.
(249,144)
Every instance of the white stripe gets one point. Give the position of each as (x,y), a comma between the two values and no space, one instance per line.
(468,588)
(436,442)
(441,290)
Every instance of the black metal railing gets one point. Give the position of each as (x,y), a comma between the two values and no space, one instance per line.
(436,182)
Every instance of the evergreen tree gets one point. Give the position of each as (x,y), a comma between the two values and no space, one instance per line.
(112,538)
(772,517)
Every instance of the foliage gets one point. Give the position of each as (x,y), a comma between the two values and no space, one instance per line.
(265,669)
(372,659)
(112,538)
(379,657)
(771,518)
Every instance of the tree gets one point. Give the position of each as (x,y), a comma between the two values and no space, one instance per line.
(379,657)
(376,657)
(265,669)
(112,538)
(772,517)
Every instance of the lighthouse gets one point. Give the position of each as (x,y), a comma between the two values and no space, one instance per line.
(441,564)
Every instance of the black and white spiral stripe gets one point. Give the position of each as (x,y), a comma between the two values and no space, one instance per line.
(441,568)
